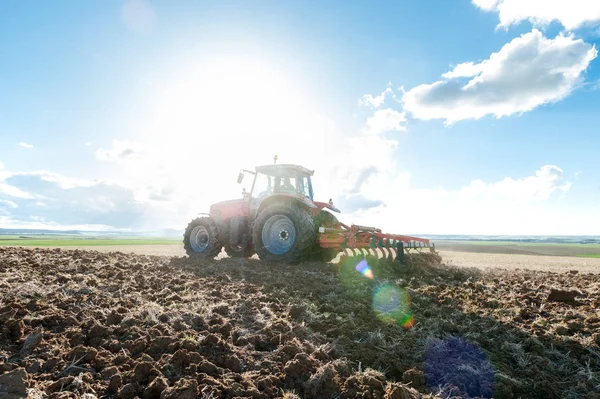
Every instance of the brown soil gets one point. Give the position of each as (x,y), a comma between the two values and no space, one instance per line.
(122,325)
(466,256)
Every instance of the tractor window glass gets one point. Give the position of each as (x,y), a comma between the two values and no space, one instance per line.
(263,186)
(287,185)
(303,187)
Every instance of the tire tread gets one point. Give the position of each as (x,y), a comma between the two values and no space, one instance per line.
(214,246)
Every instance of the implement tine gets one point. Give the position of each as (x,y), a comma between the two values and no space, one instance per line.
(392,254)
(378,253)
(384,253)
(400,253)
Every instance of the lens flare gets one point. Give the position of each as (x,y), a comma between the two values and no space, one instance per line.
(460,367)
(392,304)
(364,269)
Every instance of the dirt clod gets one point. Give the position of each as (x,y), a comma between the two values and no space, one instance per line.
(413,377)
(129,391)
(183,389)
(14,382)
(156,387)
(208,368)
(31,342)
(13,329)
(562,296)
(115,384)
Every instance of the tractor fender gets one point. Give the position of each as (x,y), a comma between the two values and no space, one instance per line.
(283,198)
(322,205)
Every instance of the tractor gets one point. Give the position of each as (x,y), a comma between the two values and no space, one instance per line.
(280,221)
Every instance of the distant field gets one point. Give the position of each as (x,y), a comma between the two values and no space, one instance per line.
(489,247)
(525,248)
(53,241)
(462,255)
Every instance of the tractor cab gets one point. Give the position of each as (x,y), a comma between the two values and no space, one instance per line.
(285,180)
(288,179)
(282,179)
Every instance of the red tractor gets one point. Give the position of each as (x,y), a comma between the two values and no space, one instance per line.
(281,222)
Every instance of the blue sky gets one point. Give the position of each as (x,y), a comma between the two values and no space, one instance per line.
(137,115)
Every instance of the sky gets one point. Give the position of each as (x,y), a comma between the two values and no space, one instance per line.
(470,117)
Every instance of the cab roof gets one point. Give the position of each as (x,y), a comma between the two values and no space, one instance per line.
(284,170)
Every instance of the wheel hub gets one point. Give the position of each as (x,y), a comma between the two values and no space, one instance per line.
(279,234)
(199,239)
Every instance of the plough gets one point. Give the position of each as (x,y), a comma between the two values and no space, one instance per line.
(356,240)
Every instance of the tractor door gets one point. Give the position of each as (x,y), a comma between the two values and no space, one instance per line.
(261,189)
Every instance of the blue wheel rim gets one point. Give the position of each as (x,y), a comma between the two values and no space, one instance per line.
(199,239)
(278,234)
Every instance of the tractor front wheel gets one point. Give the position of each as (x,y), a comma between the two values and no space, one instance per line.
(201,239)
(284,233)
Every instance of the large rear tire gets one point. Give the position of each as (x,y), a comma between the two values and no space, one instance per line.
(284,233)
(201,239)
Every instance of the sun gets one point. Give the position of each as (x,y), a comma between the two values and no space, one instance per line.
(217,115)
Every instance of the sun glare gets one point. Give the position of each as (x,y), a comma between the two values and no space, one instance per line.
(219,115)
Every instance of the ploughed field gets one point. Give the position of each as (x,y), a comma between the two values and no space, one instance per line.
(78,323)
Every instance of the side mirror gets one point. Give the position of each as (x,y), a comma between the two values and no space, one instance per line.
(240,177)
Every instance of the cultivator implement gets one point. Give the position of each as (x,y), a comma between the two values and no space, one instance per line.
(361,241)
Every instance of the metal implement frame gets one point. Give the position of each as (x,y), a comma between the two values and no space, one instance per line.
(355,237)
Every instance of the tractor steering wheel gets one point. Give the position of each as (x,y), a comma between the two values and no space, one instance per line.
(287,187)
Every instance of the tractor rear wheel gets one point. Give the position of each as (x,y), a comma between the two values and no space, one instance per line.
(284,233)
(201,239)
(239,251)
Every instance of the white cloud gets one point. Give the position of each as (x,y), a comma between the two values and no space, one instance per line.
(375,102)
(534,204)
(87,144)
(487,5)
(464,70)
(70,202)
(9,222)
(385,120)
(7,203)
(11,191)
(121,151)
(546,181)
(61,181)
(527,72)
(25,145)
(572,14)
